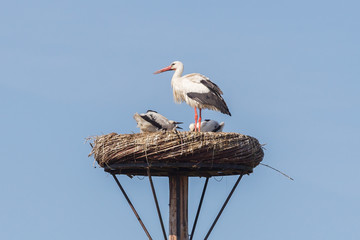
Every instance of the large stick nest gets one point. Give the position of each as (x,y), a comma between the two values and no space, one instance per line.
(192,153)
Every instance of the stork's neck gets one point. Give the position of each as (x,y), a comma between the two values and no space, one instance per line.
(178,72)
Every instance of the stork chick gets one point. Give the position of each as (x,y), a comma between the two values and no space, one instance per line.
(151,121)
(208,126)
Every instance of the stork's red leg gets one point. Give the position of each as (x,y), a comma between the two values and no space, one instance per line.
(200,120)
(196,117)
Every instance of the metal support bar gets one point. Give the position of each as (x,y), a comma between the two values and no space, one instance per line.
(157,204)
(223,207)
(132,207)
(198,211)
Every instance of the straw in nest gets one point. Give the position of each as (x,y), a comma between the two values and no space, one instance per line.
(173,147)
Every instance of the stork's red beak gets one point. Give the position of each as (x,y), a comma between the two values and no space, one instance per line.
(163,70)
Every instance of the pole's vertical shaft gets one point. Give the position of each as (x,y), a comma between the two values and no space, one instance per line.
(178,214)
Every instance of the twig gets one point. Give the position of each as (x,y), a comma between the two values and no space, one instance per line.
(277,171)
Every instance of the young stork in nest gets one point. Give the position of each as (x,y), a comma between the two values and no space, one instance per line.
(152,121)
(208,126)
(196,90)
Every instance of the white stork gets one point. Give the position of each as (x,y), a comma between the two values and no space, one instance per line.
(152,121)
(196,90)
(208,126)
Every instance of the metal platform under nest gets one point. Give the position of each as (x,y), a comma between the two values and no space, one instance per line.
(186,169)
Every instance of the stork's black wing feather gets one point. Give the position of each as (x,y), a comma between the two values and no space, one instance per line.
(151,111)
(212,86)
(150,120)
(212,99)
(217,128)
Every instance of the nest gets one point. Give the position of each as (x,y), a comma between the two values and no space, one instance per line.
(173,152)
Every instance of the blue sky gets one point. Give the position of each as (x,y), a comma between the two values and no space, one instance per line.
(289,71)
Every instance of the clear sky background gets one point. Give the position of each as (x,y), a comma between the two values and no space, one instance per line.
(289,71)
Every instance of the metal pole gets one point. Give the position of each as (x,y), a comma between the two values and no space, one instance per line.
(132,207)
(223,207)
(198,211)
(157,204)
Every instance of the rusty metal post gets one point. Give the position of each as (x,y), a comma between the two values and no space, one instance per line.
(178,204)
(156,203)
(199,208)
(132,207)
(223,206)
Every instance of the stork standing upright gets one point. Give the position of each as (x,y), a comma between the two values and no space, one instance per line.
(196,90)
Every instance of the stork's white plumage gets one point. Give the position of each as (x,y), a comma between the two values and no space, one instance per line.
(208,126)
(196,90)
(152,121)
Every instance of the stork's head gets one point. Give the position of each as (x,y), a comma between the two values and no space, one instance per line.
(173,66)
(175,124)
